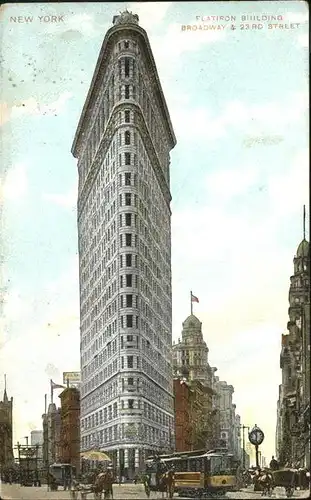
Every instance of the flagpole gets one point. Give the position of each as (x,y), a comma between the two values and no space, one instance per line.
(51,391)
(45,404)
(191,304)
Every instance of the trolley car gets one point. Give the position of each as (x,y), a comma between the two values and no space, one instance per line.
(198,474)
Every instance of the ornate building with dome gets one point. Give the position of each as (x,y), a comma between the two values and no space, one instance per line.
(293,408)
(204,412)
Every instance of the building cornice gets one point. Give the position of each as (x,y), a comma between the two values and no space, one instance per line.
(94,88)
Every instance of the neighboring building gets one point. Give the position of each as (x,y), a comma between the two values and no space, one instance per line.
(190,360)
(193,415)
(123,145)
(6,431)
(201,416)
(183,424)
(52,435)
(305,399)
(70,427)
(36,438)
(217,425)
(246,462)
(250,450)
(227,415)
(192,352)
(237,450)
(293,422)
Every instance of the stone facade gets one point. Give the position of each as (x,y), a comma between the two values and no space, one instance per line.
(293,418)
(6,431)
(70,427)
(183,434)
(123,144)
(193,415)
(52,435)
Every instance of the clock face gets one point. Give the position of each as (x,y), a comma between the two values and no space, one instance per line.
(256,436)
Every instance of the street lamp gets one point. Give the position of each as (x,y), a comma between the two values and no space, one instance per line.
(256,437)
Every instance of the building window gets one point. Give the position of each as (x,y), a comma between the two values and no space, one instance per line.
(126,45)
(127,178)
(129,300)
(128,199)
(127,117)
(130,381)
(127,137)
(127,158)
(129,279)
(128,239)
(121,260)
(127,66)
(129,321)
(128,219)
(128,260)
(127,92)
(131,402)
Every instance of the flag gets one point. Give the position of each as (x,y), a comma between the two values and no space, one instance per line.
(56,386)
(194,298)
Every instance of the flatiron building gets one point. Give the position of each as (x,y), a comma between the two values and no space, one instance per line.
(122,144)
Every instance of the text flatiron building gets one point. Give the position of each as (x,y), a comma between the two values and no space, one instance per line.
(123,145)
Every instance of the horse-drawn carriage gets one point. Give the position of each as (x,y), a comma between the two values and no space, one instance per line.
(287,479)
(290,479)
(102,484)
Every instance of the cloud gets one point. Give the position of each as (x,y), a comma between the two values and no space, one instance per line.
(14,187)
(32,107)
(52,371)
(66,200)
(263,140)
(264,122)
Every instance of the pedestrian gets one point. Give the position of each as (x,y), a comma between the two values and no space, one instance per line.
(274,465)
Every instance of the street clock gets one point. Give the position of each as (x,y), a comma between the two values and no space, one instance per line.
(256,436)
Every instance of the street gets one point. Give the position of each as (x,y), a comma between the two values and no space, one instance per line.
(124,492)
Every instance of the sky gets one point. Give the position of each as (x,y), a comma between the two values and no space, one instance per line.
(238,102)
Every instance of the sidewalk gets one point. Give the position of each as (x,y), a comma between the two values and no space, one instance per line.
(279,489)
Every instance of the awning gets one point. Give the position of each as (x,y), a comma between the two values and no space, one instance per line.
(96,456)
